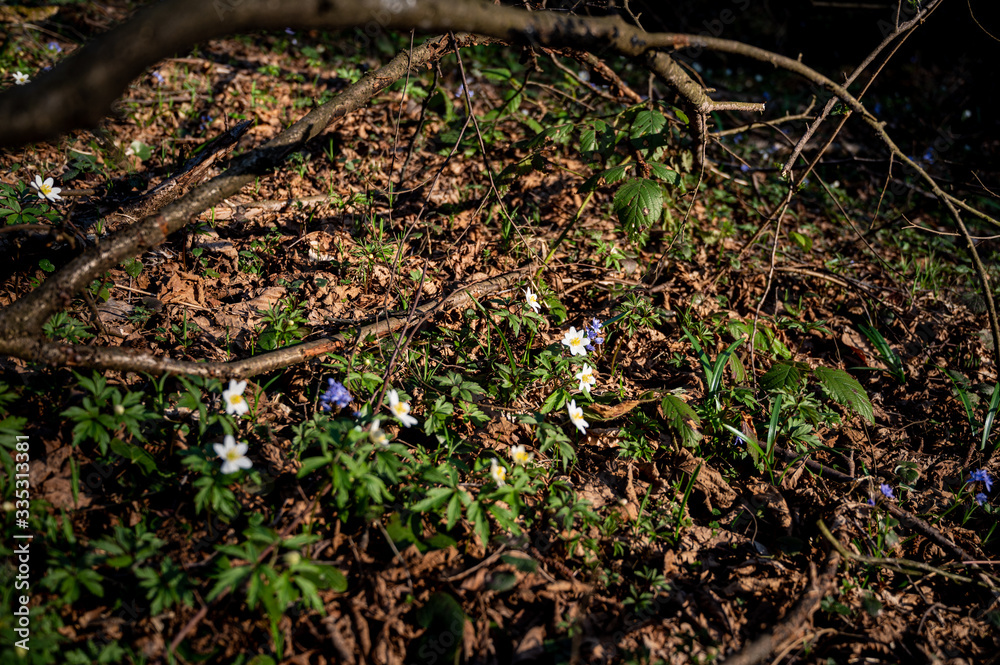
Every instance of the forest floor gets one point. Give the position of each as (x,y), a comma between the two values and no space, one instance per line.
(755,401)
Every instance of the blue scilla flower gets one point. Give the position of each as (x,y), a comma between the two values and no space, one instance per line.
(54,46)
(980,498)
(981,476)
(593,333)
(337,394)
(886,490)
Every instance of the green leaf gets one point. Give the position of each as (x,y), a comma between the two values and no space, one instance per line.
(598,140)
(261,660)
(332,578)
(662,172)
(435,498)
(638,204)
(781,376)
(480,523)
(805,243)
(140,150)
(133,268)
(554,401)
(681,418)
(845,390)
(522,563)
(616,173)
(46,265)
(646,122)
(137,455)
(591,183)
(503,581)
(454,511)
(402,534)
(444,620)
(990,415)
(646,133)
(228,579)
(312,463)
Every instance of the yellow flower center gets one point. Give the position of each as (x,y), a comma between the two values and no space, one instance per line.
(235,399)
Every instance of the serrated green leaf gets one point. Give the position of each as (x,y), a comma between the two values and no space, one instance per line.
(780,376)
(646,124)
(598,139)
(638,204)
(616,173)
(663,172)
(845,390)
(681,418)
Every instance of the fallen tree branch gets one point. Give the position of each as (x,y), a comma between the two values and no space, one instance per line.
(25,317)
(122,359)
(193,172)
(904,566)
(78,92)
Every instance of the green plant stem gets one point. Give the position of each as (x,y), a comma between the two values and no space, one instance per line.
(687,495)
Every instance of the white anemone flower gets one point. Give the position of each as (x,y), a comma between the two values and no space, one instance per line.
(233,455)
(400,409)
(20,79)
(498,472)
(234,398)
(45,189)
(520,455)
(587,378)
(577,342)
(532,299)
(378,435)
(576,415)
